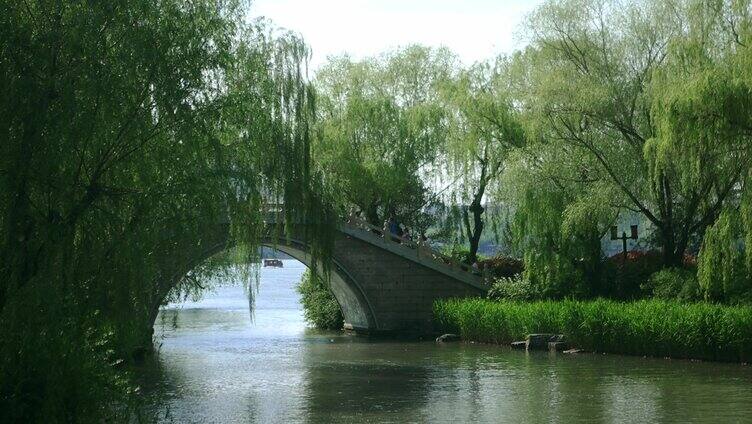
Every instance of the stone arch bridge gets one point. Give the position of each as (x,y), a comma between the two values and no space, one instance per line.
(382,284)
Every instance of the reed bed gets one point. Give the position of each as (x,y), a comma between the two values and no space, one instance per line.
(647,327)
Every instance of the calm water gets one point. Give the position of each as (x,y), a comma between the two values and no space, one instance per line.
(216,365)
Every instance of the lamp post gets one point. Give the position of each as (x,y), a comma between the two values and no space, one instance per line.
(624,237)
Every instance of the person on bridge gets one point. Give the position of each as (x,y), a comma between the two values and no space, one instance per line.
(390,229)
(394,228)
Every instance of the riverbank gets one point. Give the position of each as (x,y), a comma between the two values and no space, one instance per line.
(646,328)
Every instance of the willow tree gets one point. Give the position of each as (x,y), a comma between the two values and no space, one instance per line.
(705,139)
(483,128)
(129,129)
(379,130)
(558,220)
(601,81)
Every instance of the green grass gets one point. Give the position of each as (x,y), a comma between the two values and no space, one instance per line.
(648,327)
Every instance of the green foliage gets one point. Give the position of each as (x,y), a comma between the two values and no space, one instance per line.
(379,129)
(723,272)
(502,266)
(457,252)
(483,129)
(131,131)
(649,327)
(62,370)
(638,105)
(558,227)
(134,130)
(624,279)
(319,304)
(674,283)
(515,288)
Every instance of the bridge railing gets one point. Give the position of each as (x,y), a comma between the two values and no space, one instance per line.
(422,248)
(275,211)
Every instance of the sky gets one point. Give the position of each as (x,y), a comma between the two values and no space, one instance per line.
(474,29)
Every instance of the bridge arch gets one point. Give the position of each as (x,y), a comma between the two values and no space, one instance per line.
(356,308)
(382,286)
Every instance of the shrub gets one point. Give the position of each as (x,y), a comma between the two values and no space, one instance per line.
(458,253)
(556,276)
(320,307)
(646,327)
(502,266)
(673,283)
(513,288)
(623,278)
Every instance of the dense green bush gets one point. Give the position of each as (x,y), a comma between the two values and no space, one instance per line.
(502,266)
(647,327)
(639,275)
(458,253)
(623,278)
(320,308)
(514,288)
(673,283)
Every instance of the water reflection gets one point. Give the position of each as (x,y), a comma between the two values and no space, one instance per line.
(215,366)
(364,381)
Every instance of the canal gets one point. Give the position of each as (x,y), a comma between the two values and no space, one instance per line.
(219,363)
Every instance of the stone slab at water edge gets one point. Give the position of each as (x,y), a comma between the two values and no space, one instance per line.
(543,341)
(446,338)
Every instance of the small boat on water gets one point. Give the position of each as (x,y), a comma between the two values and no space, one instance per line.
(275,263)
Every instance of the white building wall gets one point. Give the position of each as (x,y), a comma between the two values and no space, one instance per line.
(623,223)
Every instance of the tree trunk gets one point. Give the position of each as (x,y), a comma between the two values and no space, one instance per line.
(673,252)
(474,233)
(477,211)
